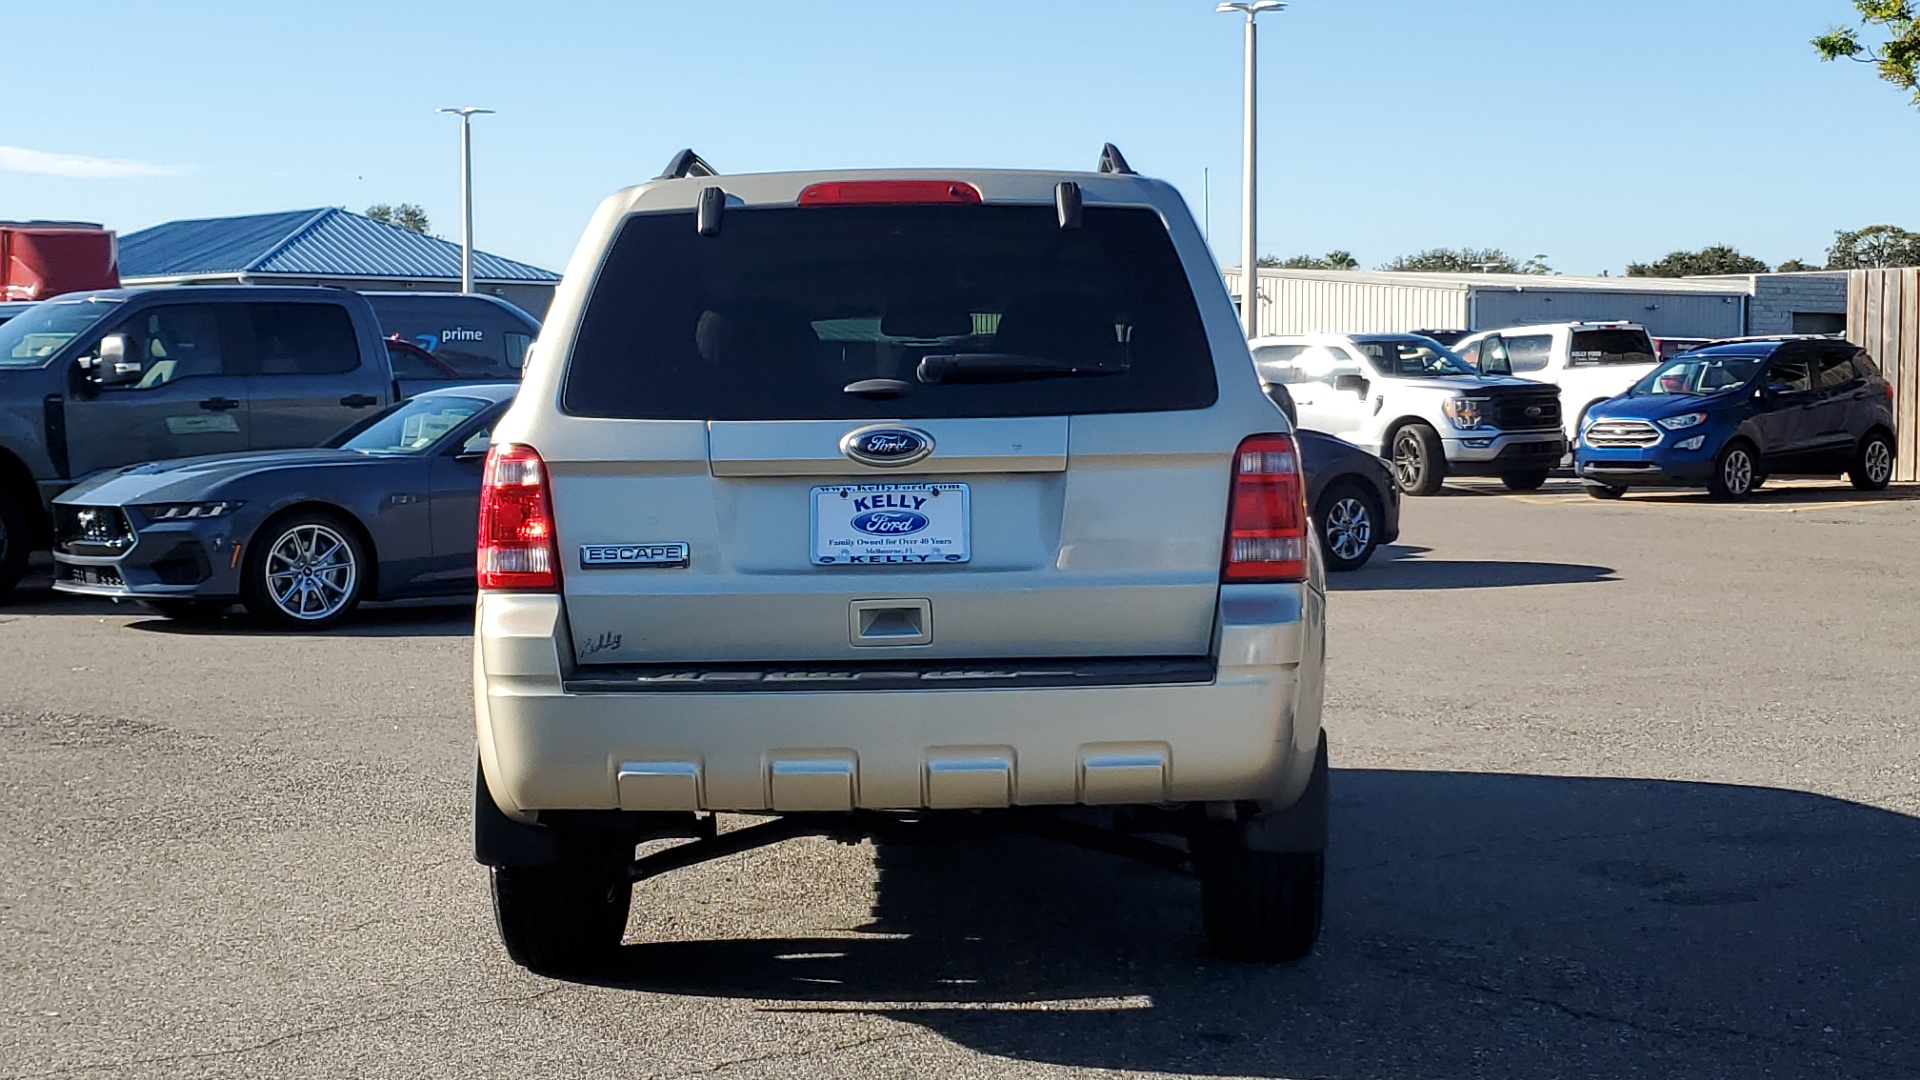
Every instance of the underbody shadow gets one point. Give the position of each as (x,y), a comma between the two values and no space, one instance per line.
(1477,925)
(1405,568)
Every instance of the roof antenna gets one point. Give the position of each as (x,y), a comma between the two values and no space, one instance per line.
(1111,161)
(687,163)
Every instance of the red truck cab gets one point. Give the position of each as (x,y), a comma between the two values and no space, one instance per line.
(39,259)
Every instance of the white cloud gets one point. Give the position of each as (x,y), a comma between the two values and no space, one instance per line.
(19,159)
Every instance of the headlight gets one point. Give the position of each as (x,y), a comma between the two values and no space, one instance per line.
(1684,420)
(186,511)
(1465,412)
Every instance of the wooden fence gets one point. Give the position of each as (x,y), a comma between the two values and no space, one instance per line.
(1883,316)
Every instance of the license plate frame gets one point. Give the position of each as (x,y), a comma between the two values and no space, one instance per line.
(945,538)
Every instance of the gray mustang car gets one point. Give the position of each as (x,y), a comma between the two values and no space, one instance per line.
(386,510)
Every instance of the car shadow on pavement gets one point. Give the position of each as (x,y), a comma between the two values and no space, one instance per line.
(1477,925)
(1396,568)
(410,619)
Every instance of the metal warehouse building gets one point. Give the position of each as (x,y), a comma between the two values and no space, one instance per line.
(1362,301)
(321,247)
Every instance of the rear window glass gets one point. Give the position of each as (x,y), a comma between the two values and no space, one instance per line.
(1611,347)
(961,310)
(1529,352)
(469,338)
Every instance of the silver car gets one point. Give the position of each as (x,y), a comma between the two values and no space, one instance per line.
(884,503)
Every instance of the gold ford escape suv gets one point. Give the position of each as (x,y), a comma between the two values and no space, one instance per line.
(889,504)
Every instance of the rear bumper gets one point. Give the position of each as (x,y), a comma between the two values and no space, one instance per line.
(1248,733)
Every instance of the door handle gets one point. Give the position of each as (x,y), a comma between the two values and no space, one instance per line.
(219,404)
(359,401)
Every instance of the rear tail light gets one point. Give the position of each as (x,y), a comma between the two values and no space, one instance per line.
(888,193)
(1888,387)
(1267,513)
(517,547)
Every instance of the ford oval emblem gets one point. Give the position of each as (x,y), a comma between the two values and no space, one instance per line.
(1533,411)
(886,446)
(890,522)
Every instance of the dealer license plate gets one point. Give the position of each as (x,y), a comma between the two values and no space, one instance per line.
(891,523)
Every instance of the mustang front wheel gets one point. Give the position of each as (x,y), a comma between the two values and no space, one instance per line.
(305,572)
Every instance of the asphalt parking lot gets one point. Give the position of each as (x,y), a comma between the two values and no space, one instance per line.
(1621,789)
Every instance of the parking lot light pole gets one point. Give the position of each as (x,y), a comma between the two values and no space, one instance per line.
(1249,248)
(466,113)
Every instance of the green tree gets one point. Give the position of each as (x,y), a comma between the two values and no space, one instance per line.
(1873,246)
(1795,266)
(1468,261)
(1897,58)
(1332,260)
(1718,259)
(406,215)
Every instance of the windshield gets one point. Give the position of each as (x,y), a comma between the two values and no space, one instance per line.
(1691,375)
(411,427)
(1413,357)
(890,313)
(27,339)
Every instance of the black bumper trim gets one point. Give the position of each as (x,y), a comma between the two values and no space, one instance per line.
(829,676)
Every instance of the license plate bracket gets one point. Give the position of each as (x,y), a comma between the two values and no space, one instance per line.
(898,524)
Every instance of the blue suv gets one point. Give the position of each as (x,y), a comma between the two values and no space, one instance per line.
(1727,416)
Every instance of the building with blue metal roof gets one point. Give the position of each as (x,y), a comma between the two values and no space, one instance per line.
(329,246)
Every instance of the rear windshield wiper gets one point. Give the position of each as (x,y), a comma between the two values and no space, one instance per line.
(1001,367)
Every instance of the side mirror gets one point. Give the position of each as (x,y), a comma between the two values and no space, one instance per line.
(112,366)
(1494,358)
(1356,383)
(475,448)
(1281,396)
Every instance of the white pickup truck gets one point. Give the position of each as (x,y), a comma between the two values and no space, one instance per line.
(1589,361)
(1412,401)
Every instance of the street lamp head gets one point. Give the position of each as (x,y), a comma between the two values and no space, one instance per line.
(1253,8)
(465,111)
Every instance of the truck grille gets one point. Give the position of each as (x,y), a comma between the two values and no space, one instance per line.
(91,530)
(1533,409)
(1621,433)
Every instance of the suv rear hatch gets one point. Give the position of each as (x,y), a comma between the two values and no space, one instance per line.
(1037,400)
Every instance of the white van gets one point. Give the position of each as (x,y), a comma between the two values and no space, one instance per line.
(1589,361)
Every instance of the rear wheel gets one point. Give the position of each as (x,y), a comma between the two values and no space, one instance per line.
(567,918)
(1604,491)
(1348,519)
(304,572)
(1419,462)
(1524,481)
(1872,463)
(1257,905)
(1734,472)
(15,528)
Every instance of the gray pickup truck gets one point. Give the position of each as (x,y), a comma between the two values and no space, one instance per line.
(93,380)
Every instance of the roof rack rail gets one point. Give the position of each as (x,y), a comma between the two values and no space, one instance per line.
(687,163)
(1112,161)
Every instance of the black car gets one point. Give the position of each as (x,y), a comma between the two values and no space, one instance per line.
(385,511)
(1351,496)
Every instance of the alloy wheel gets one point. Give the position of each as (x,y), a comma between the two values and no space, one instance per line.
(1737,472)
(1879,463)
(1349,528)
(310,572)
(1407,459)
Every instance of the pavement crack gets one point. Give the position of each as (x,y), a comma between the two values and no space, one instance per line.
(794,1055)
(286,1037)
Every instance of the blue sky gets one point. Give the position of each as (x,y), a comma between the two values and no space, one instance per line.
(1593,131)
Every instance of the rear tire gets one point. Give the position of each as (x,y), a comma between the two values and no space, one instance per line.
(1348,521)
(16,527)
(564,919)
(1258,905)
(1525,481)
(1734,472)
(1604,491)
(1419,461)
(1872,463)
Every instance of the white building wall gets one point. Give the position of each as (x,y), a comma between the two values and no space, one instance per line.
(1311,305)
